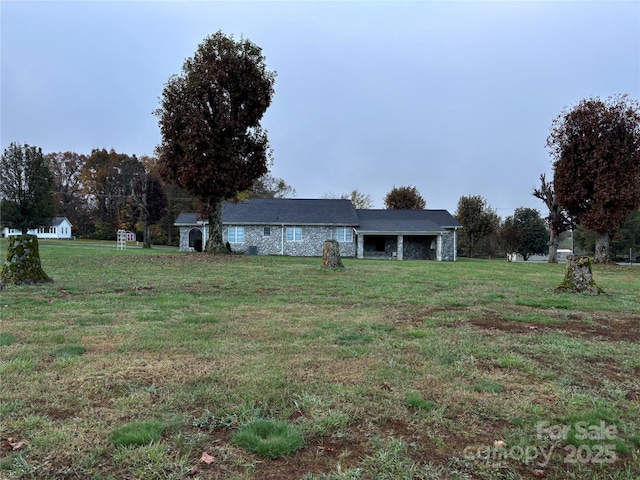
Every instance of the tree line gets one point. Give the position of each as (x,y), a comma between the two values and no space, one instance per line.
(105,191)
(101,193)
(214,148)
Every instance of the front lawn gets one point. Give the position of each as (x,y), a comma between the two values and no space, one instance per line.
(467,370)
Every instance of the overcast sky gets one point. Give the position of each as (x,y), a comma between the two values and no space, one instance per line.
(456,98)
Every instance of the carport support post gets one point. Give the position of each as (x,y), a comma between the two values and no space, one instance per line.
(400,251)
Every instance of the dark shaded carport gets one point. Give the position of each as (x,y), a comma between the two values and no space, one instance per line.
(400,234)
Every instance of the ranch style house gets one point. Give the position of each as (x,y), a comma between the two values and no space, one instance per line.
(299,227)
(59,229)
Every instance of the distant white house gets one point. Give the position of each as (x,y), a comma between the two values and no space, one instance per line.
(60,229)
(561,256)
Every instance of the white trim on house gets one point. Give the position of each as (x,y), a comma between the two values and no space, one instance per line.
(59,229)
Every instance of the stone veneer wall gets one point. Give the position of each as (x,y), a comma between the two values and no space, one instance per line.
(184,238)
(276,243)
(448,246)
(310,246)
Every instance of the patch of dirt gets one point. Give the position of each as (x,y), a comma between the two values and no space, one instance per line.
(59,413)
(417,319)
(610,329)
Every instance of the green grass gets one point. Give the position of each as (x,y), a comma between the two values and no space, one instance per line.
(487,386)
(387,369)
(70,351)
(269,438)
(416,401)
(6,338)
(136,433)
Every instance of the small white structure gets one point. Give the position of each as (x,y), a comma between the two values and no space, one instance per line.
(561,256)
(563,253)
(59,229)
(130,236)
(122,239)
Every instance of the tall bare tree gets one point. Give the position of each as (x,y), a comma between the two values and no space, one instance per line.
(359,200)
(558,220)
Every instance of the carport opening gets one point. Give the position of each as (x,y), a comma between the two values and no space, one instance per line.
(380,246)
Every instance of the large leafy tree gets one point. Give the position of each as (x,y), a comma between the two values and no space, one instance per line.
(106,178)
(558,220)
(26,188)
(178,200)
(66,168)
(596,151)
(149,196)
(478,220)
(212,142)
(404,198)
(525,233)
(510,237)
(26,202)
(626,238)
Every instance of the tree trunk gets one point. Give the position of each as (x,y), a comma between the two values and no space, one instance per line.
(23,261)
(331,255)
(146,234)
(602,247)
(578,276)
(146,240)
(554,240)
(214,214)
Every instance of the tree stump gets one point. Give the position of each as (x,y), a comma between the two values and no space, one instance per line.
(331,255)
(23,261)
(578,276)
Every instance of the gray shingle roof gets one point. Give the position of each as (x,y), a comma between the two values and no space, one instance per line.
(296,211)
(283,211)
(290,211)
(409,221)
(58,220)
(186,218)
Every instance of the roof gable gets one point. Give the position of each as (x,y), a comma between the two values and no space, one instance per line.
(57,221)
(187,218)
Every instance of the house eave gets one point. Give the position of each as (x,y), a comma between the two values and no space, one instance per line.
(296,224)
(278,224)
(397,232)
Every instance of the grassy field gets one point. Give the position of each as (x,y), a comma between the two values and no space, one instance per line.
(146,364)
